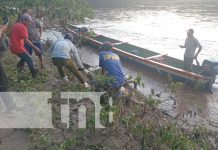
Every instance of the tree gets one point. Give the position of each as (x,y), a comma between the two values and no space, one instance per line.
(55,10)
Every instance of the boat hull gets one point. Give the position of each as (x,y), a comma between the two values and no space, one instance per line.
(168,67)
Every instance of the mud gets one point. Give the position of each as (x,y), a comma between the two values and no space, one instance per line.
(201,103)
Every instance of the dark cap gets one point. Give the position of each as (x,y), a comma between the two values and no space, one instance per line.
(25,17)
(190,30)
(106,46)
(69,36)
(83,29)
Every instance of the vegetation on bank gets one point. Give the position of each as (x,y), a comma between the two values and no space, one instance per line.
(54,12)
(138,124)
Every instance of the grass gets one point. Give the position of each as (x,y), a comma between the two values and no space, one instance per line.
(135,126)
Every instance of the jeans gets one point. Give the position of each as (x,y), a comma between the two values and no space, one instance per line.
(70,65)
(26,58)
(30,49)
(109,85)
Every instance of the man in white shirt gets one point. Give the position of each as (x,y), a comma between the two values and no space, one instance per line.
(191,43)
(64,53)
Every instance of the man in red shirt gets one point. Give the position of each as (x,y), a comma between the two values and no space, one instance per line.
(18,36)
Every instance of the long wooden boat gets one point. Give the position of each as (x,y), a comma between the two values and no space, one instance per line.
(160,63)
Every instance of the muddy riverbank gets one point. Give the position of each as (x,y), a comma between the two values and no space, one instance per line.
(135,126)
(202,104)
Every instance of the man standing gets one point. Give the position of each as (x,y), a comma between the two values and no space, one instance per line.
(191,43)
(3,48)
(18,36)
(64,53)
(110,63)
(35,34)
(10,105)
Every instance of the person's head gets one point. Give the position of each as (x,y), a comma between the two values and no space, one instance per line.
(69,37)
(25,19)
(25,11)
(107,46)
(190,32)
(83,29)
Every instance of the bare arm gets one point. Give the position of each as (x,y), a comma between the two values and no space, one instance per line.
(181,46)
(40,32)
(74,54)
(199,50)
(39,26)
(36,49)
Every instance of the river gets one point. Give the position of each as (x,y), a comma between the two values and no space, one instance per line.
(160,25)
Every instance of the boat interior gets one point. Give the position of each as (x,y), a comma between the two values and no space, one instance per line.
(146,54)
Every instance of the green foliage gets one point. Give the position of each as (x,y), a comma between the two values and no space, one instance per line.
(76,10)
(133,122)
(138,80)
(91,123)
(90,33)
(67,144)
(102,80)
(82,40)
(40,139)
(23,81)
(198,85)
(175,86)
(152,101)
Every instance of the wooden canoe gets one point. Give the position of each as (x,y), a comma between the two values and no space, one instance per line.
(160,63)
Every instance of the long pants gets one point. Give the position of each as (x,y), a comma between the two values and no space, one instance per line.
(188,61)
(26,58)
(69,64)
(29,49)
(6,98)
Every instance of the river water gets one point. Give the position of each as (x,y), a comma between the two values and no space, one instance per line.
(160,25)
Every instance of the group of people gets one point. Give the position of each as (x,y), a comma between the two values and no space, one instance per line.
(25,37)
(10,105)
(65,54)
(21,45)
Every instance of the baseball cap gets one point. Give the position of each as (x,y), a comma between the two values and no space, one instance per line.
(69,36)
(190,30)
(106,46)
(25,17)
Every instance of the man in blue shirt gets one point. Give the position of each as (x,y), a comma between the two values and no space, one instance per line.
(110,63)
